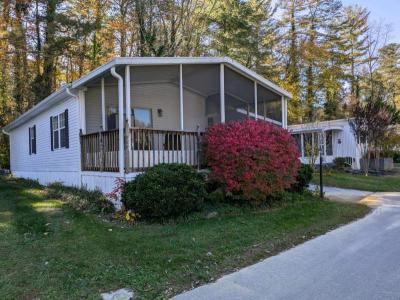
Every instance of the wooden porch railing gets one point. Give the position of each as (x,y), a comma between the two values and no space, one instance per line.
(99,151)
(144,147)
(150,147)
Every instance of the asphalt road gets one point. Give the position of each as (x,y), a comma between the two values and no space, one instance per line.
(357,261)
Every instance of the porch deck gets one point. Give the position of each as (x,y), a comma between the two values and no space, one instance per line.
(144,148)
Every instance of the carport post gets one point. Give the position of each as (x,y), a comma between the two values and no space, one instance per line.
(321,184)
(222,91)
(181,98)
(255,100)
(103,105)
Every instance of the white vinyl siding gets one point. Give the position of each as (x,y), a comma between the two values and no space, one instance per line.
(62,165)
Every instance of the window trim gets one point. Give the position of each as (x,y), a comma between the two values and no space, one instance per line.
(32,140)
(58,131)
(144,108)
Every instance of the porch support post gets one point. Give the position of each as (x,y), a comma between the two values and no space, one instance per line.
(181,98)
(222,92)
(128,115)
(302,144)
(82,105)
(283,106)
(128,96)
(255,100)
(121,161)
(103,105)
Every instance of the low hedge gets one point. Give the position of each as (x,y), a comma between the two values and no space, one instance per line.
(165,191)
(303,178)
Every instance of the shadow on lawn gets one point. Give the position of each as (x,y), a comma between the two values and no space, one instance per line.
(25,208)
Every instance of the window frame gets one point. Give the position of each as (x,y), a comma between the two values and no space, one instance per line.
(32,140)
(57,131)
(142,108)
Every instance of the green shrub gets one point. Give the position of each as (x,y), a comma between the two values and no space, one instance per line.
(396,157)
(303,178)
(164,191)
(80,199)
(339,163)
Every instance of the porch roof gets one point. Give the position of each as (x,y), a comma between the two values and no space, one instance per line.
(65,91)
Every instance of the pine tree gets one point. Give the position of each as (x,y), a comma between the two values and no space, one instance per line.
(289,48)
(353,32)
(244,31)
(389,70)
(318,15)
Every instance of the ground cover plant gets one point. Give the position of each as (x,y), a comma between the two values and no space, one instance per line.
(49,250)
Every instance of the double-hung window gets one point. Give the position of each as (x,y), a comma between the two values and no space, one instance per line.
(32,140)
(59,131)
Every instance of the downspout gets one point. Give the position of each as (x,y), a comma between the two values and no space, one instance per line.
(121,161)
(75,96)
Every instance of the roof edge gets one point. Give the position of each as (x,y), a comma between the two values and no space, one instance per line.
(43,105)
(121,61)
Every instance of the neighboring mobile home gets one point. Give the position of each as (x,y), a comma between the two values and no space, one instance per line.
(337,137)
(133,113)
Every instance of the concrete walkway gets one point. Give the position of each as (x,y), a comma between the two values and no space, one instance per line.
(339,194)
(357,261)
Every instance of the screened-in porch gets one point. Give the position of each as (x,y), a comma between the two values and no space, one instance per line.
(157,113)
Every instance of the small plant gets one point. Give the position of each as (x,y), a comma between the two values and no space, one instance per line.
(303,178)
(116,193)
(164,191)
(126,216)
(252,159)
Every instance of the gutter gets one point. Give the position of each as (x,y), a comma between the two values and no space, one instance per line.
(38,108)
(68,91)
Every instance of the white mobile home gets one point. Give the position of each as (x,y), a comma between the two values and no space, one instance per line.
(133,113)
(338,141)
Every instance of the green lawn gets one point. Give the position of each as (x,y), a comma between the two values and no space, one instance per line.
(360,182)
(49,251)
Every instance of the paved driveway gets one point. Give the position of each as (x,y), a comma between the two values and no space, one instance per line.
(357,261)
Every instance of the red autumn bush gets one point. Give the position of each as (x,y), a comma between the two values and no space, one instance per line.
(251,158)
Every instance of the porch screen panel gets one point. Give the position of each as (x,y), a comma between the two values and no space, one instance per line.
(269,104)
(239,96)
(201,96)
(156,89)
(154,105)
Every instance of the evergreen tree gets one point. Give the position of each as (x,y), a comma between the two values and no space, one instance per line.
(389,71)
(353,32)
(318,16)
(290,48)
(244,31)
